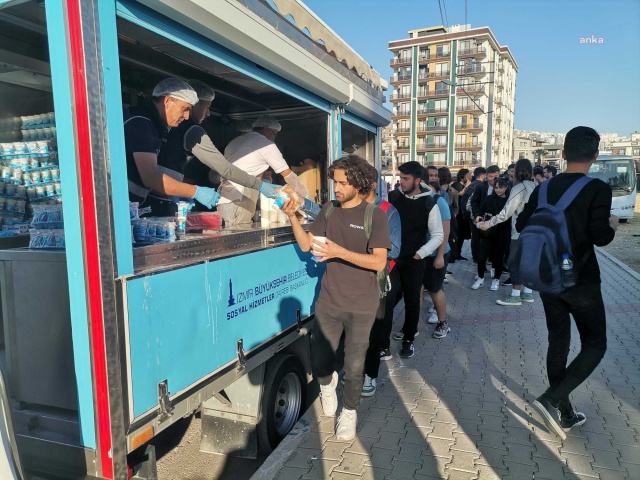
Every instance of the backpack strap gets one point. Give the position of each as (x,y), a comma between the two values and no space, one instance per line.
(368,219)
(329,209)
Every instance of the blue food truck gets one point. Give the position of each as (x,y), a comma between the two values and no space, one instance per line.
(105,344)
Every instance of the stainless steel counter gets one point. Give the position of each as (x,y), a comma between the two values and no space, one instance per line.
(209,245)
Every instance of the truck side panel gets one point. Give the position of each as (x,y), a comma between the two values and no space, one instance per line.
(184,324)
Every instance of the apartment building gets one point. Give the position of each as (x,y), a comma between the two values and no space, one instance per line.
(631,147)
(454,97)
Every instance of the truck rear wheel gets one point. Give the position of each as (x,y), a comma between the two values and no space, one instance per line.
(283,400)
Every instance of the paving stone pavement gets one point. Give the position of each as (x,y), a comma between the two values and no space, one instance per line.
(459,409)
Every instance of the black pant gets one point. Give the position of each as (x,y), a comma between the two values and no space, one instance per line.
(411,272)
(492,248)
(585,304)
(381,331)
(330,323)
(464,233)
(475,241)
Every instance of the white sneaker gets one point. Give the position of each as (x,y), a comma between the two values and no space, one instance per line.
(495,284)
(346,428)
(329,397)
(478,283)
(369,387)
(433,318)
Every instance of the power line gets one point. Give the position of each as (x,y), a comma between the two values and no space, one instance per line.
(446,17)
(441,16)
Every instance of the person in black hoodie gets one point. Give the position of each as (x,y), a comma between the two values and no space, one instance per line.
(494,241)
(479,175)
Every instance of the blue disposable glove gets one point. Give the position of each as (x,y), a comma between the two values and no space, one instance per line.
(268,190)
(207,196)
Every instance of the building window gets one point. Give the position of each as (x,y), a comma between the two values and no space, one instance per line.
(442,50)
(461,158)
(440,140)
(440,158)
(440,105)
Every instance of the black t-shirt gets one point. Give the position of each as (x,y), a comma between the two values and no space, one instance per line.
(144,131)
(587,220)
(345,286)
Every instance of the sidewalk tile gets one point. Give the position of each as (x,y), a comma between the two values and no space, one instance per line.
(291,473)
(466,442)
(455,474)
(442,430)
(548,468)
(380,458)
(362,444)
(320,470)
(628,453)
(519,470)
(580,464)
(371,429)
(352,463)
(520,436)
(606,474)
(438,447)
(389,441)
(416,435)
(574,445)
(333,451)
(403,470)
(433,466)
(464,460)
(374,473)
(520,454)
(486,472)
(493,457)
(410,452)
(303,457)
(605,459)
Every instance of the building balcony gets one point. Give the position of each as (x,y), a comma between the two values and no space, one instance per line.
(402,130)
(501,67)
(429,58)
(399,96)
(401,113)
(432,111)
(469,146)
(499,99)
(421,147)
(468,108)
(498,117)
(472,52)
(422,94)
(472,70)
(396,62)
(397,79)
(433,128)
(470,127)
(433,75)
(472,90)
(500,84)
(402,149)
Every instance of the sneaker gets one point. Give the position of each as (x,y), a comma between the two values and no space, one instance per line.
(407,349)
(495,284)
(433,318)
(369,387)
(346,428)
(578,419)
(400,335)
(510,300)
(446,280)
(328,397)
(507,282)
(478,283)
(385,354)
(449,273)
(526,297)
(550,415)
(441,330)
(465,259)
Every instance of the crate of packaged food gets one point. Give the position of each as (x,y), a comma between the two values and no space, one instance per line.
(31,148)
(46,239)
(47,217)
(153,230)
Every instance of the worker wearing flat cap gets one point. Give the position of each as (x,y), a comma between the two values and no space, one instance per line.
(189,142)
(145,132)
(254,152)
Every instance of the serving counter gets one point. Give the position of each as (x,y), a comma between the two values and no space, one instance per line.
(35,298)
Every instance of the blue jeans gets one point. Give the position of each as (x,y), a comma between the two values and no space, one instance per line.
(585,304)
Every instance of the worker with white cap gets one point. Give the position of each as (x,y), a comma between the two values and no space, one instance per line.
(189,142)
(253,152)
(145,132)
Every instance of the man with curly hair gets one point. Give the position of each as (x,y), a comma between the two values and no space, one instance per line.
(349,294)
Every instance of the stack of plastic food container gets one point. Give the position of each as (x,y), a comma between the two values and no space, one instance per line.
(47,227)
(150,230)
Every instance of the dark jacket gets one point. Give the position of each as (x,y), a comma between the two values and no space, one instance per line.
(479,195)
(492,205)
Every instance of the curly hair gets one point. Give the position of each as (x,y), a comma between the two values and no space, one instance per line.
(357,171)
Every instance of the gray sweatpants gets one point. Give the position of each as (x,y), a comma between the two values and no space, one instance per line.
(240,212)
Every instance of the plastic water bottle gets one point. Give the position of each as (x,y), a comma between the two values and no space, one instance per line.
(568,274)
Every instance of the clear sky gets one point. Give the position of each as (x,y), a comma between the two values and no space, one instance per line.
(561,83)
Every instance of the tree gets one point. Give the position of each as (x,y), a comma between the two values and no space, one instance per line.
(539,153)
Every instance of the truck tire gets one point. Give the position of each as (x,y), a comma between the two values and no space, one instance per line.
(283,400)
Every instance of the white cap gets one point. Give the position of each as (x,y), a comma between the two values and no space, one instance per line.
(204,91)
(267,121)
(176,88)
(245,125)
